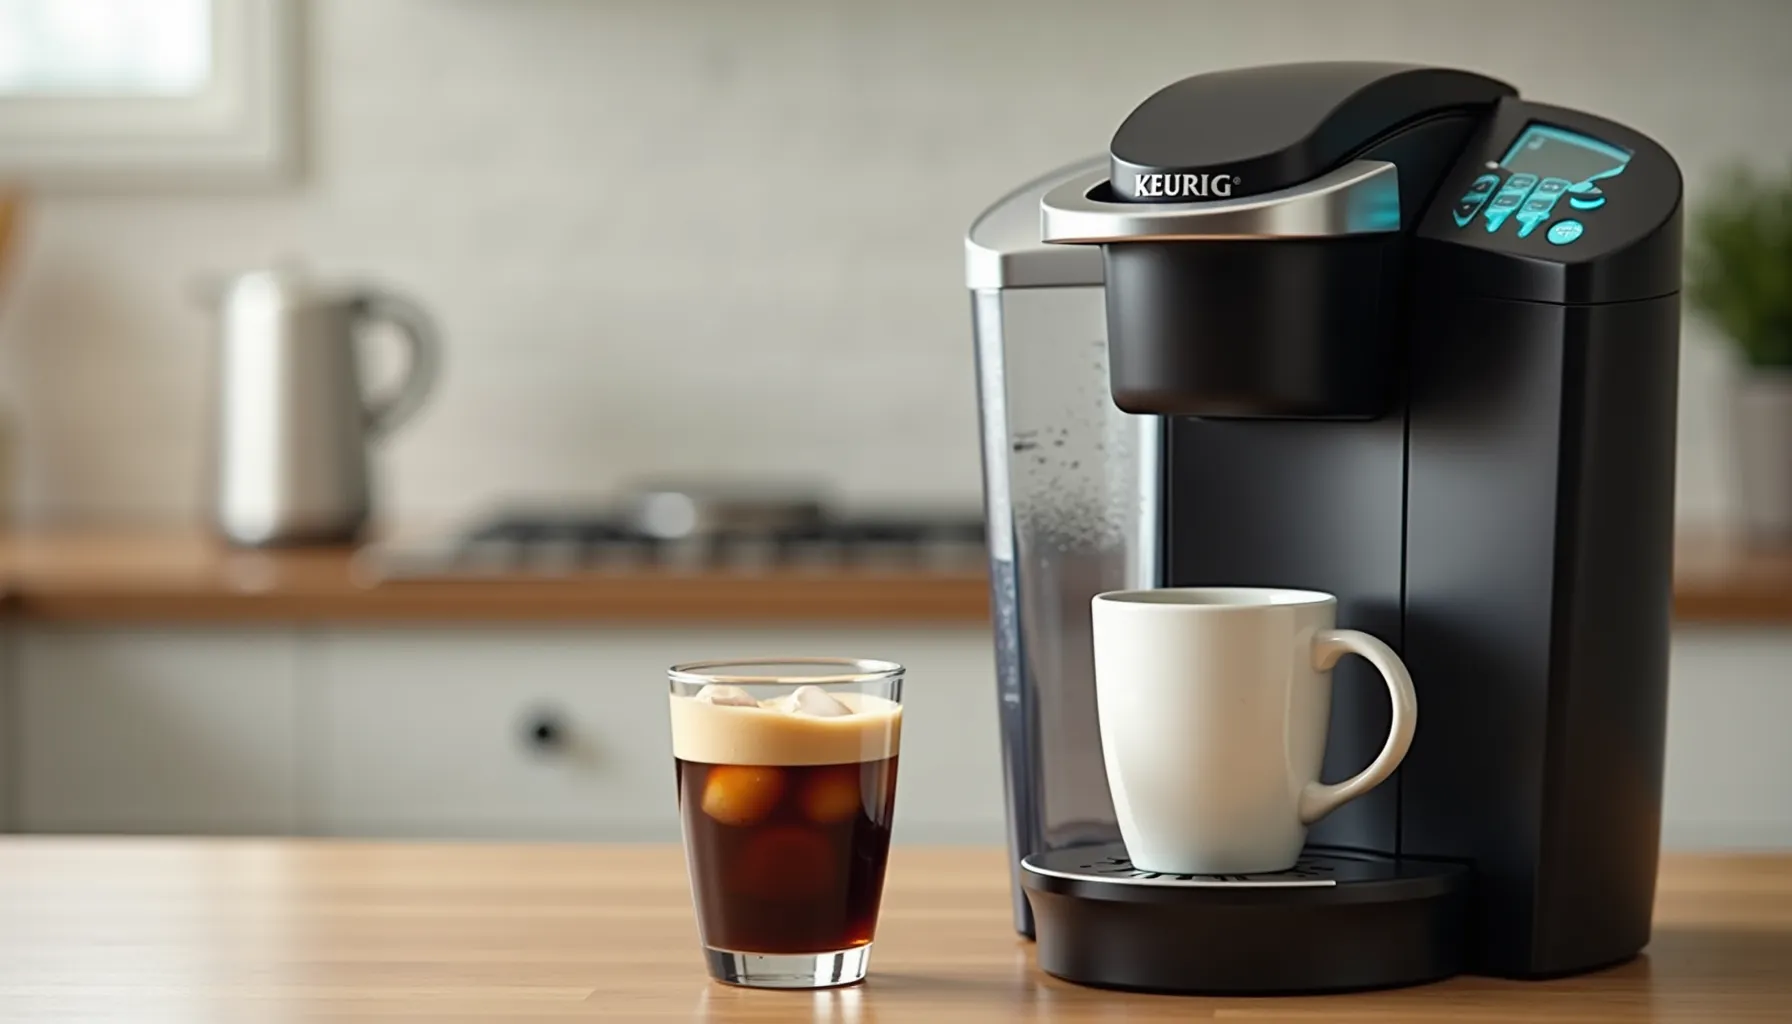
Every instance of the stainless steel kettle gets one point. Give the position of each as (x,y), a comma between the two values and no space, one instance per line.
(293,418)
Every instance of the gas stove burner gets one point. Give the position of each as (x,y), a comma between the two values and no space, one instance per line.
(562,542)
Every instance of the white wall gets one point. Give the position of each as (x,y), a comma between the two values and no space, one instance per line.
(704,235)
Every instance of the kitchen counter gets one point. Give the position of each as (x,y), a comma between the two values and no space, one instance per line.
(180,577)
(206,929)
(1721,581)
(114,577)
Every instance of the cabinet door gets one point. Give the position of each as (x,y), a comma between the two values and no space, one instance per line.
(9,743)
(1728,762)
(949,786)
(156,731)
(434,733)
(487,733)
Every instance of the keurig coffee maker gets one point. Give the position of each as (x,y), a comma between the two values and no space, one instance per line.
(1391,332)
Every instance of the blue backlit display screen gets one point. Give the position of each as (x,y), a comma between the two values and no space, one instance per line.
(1550,152)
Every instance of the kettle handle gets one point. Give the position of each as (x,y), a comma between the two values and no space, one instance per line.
(387,413)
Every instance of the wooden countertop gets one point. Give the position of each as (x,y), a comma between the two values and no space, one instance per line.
(180,577)
(1721,581)
(101,577)
(297,930)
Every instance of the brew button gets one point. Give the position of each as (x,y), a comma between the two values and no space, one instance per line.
(1552,186)
(1586,196)
(1564,231)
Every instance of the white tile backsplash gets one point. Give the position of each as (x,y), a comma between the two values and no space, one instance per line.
(698,236)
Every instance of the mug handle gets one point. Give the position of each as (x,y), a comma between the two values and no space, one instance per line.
(1319,799)
(388,412)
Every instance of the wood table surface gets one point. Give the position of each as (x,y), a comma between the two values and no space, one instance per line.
(225,930)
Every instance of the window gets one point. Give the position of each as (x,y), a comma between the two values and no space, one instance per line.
(145,92)
(104,47)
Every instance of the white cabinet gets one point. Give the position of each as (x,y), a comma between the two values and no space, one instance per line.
(421,733)
(430,732)
(949,783)
(155,730)
(9,745)
(1729,763)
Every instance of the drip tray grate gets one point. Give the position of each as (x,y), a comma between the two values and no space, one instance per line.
(1317,868)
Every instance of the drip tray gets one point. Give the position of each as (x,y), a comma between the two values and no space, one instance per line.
(1339,920)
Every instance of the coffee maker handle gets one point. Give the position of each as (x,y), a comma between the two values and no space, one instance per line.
(387,413)
(1319,799)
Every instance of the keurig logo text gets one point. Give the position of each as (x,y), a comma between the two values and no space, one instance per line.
(1182,186)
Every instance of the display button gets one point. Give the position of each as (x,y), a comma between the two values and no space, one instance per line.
(1501,208)
(1470,203)
(1536,209)
(1564,231)
(1517,189)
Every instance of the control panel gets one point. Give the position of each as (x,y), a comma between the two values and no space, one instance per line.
(1549,175)
(1547,204)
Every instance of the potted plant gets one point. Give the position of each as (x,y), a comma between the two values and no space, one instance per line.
(1740,277)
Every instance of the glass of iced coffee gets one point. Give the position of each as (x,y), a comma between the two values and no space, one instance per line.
(786,784)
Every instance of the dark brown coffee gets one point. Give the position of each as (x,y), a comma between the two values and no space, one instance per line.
(787,859)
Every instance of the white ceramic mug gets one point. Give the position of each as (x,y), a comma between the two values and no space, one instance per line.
(1214,704)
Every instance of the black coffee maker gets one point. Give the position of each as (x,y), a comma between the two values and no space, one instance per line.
(1387,331)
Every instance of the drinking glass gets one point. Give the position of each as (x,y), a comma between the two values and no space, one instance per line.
(786,815)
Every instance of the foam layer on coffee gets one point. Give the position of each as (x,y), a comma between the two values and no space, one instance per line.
(732,734)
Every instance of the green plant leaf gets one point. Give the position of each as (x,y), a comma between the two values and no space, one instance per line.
(1739,264)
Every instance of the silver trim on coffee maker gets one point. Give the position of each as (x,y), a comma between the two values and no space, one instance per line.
(1003,250)
(1362,197)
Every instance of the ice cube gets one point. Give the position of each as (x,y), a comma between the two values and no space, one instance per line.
(739,794)
(812,701)
(732,696)
(832,795)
